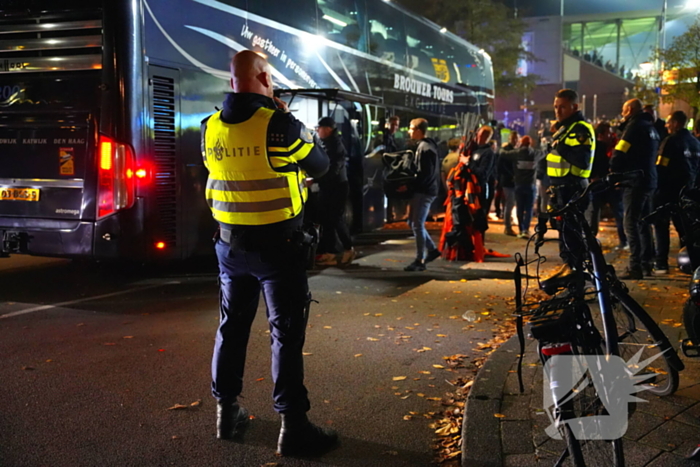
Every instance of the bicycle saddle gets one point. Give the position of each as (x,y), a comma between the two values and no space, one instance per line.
(562,279)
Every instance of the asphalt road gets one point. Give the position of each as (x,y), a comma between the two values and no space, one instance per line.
(91,360)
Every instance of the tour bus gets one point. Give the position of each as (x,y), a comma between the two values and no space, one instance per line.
(101,103)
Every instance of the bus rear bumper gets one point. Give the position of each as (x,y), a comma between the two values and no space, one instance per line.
(45,237)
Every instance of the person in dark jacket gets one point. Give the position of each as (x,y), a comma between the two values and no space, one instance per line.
(506,183)
(395,208)
(425,193)
(677,167)
(482,163)
(637,150)
(659,123)
(334,191)
(601,168)
(569,164)
(524,160)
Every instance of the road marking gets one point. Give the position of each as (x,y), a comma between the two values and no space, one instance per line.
(86,299)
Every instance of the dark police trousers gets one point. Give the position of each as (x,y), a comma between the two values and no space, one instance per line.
(571,243)
(277,269)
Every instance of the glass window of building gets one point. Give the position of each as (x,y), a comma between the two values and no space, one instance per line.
(344,22)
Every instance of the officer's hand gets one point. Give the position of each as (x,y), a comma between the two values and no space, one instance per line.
(282,105)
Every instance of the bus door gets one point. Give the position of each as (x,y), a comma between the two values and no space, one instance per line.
(348,111)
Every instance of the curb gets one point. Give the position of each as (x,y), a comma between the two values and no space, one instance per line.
(481,436)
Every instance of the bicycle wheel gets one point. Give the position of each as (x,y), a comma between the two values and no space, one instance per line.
(638,331)
(585,420)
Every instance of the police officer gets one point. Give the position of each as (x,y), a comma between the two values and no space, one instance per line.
(677,167)
(637,150)
(569,164)
(258,156)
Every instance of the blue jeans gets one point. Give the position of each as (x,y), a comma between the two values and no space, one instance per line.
(524,201)
(420,208)
(279,273)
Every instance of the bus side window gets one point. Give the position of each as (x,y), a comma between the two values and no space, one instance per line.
(387,37)
(299,14)
(343,21)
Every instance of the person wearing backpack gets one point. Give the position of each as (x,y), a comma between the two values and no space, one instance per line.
(425,192)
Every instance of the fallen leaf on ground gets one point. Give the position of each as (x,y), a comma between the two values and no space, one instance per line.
(196,403)
(177,407)
(438,366)
(398,378)
(306,354)
(358,355)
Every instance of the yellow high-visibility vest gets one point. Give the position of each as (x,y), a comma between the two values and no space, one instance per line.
(243,188)
(557,166)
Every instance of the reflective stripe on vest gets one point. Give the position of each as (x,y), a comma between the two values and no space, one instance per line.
(662,161)
(559,167)
(243,188)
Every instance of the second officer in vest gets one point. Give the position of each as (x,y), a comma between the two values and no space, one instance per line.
(569,164)
(258,156)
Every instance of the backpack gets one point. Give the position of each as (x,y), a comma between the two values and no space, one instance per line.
(400,174)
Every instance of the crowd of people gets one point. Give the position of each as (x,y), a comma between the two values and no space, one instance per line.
(518,177)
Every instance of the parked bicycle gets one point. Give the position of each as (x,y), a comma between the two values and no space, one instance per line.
(567,325)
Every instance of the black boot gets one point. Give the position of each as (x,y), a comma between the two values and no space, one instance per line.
(299,437)
(231,420)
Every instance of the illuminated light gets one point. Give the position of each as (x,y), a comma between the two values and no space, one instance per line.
(53,41)
(106,155)
(48,25)
(375,122)
(160,245)
(692,5)
(443,30)
(56,59)
(141,173)
(335,21)
(129,173)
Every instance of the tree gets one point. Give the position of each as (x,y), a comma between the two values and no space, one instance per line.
(491,26)
(682,60)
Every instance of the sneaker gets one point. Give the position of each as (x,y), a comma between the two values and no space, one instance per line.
(647,270)
(622,246)
(661,272)
(326,259)
(432,255)
(416,265)
(525,235)
(632,274)
(510,233)
(348,256)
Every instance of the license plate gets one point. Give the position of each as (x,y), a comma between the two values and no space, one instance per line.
(19,194)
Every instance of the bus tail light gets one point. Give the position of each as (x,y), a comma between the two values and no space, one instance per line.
(116,187)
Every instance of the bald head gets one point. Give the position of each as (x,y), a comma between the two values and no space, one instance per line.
(251,73)
(631,108)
